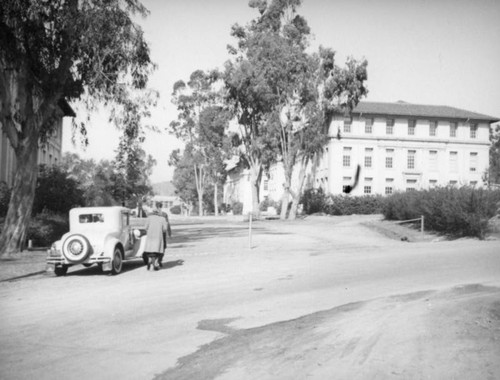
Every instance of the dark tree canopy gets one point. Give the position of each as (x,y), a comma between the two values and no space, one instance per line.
(53,50)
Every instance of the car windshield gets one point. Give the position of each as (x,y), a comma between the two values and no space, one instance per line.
(91,218)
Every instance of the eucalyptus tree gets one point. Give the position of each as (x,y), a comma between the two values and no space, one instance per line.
(269,58)
(183,177)
(201,92)
(216,145)
(326,90)
(132,166)
(285,98)
(54,50)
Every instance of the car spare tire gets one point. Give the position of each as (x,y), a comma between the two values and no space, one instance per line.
(76,248)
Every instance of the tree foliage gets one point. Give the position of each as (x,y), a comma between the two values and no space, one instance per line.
(55,50)
(284,97)
(56,191)
(200,123)
(494,168)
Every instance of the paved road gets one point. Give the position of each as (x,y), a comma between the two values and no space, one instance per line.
(142,324)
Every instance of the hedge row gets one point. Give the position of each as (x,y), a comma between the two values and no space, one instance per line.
(315,201)
(453,211)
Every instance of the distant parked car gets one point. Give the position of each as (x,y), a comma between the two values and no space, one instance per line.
(98,235)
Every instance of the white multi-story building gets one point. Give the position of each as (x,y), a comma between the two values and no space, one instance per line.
(48,153)
(402,147)
(399,146)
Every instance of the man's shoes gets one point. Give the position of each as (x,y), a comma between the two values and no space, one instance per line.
(149,263)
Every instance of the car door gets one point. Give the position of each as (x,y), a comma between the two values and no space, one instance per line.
(126,234)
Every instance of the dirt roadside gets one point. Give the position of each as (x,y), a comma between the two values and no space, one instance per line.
(453,334)
(313,298)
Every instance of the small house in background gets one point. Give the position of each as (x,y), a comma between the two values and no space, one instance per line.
(399,146)
(164,192)
(48,154)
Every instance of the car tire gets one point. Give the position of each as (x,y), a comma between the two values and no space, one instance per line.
(76,248)
(87,265)
(117,261)
(60,270)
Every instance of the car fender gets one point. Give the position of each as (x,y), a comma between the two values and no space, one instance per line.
(109,246)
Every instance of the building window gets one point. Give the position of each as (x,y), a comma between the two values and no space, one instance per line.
(368,157)
(368,125)
(266,185)
(346,158)
(432,183)
(433,160)
(473,161)
(453,129)
(388,162)
(454,162)
(432,128)
(411,159)
(388,186)
(473,183)
(347,125)
(367,190)
(389,126)
(411,127)
(389,158)
(473,131)
(453,183)
(346,161)
(411,184)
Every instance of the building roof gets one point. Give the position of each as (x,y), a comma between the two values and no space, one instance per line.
(419,110)
(66,108)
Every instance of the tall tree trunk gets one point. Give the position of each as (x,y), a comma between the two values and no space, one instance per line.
(216,207)
(296,198)
(198,176)
(255,178)
(286,194)
(22,196)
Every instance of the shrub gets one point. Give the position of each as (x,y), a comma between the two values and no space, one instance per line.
(4,198)
(266,203)
(55,191)
(237,208)
(46,228)
(457,212)
(175,210)
(313,200)
(348,205)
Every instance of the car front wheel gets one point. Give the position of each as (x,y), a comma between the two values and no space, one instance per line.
(117,263)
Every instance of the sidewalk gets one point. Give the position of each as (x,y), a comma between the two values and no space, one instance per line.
(24,264)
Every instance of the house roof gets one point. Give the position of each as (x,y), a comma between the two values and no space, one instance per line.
(66,108)
(419,110)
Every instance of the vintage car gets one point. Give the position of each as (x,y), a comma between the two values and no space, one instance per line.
(98,235)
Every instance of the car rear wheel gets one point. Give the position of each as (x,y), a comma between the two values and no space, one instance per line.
(117,263)
(60,270)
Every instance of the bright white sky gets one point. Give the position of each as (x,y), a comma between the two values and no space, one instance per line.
(441,52)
